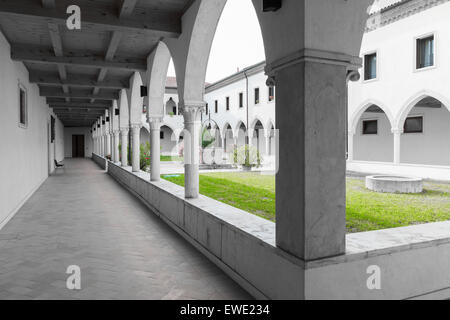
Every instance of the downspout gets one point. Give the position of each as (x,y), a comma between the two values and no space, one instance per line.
(247,138)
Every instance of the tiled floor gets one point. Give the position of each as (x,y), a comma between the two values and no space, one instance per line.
(81,216)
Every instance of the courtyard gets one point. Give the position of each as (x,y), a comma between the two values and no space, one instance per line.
(366,210)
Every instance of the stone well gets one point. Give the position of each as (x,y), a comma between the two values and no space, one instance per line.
(394,184)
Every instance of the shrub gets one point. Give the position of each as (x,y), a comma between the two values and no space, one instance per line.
(145,156)
(247,156)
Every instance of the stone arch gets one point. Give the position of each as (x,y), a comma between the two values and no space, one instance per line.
(190,52)
(411,103)
(227,127)
(124,118)
(354,119)
(144,135)
(168,140)
(238,126)
(158,62)
(135,101)
(429,111)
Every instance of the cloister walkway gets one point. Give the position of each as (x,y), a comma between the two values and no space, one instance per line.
(81,216)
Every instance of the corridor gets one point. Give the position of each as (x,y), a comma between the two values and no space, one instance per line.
(81,216)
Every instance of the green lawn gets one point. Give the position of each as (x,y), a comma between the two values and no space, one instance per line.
(366,210)
(171,158)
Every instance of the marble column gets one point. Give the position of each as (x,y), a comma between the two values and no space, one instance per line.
(116,146)
(267,137)
(136,150)
(102,144)
(124,146)
(310,197)
(191,114)
(350,137)
(155,148)
(397,145)
(108,145)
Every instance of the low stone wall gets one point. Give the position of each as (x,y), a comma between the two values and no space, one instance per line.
(102,162)
(241,244)
(414,262)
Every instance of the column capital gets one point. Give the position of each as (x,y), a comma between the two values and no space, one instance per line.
(116,132)
(124,130)
(397,131)
(136,126)
(313,55)
(191,110)
(155,123)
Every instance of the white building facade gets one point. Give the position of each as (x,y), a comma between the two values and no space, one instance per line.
(240,101)
(399,119)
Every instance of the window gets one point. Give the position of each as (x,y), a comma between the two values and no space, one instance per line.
(271,93)
(207,109)
(174,110)
(370,127)
(52,129)
(23,112)
(256,95)
(241,100)
(228,103)
(216,106)
(161,135)
(370,66)
(425,52)
(413,125)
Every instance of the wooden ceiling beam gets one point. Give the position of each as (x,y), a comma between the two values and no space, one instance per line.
(27,53)
(76,81)
(96,18)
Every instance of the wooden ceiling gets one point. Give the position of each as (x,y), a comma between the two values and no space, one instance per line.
(80,72)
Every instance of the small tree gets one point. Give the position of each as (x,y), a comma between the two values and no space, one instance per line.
(247,156)
(207,139)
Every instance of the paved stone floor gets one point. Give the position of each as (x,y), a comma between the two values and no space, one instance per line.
(81,216)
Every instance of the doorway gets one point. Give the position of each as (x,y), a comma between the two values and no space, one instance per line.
(78,146)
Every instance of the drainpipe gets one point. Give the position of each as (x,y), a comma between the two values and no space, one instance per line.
(247,138)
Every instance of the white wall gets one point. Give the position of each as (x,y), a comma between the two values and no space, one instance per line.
(378,147)
(432,147)
(399,86)
(88,142)
(398,82)
(24,161)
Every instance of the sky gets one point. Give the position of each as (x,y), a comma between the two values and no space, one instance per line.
(238,41)
(237,44)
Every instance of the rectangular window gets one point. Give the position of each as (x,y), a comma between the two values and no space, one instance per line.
(207,109)
(216,106)
(174,110)
(241,100)
(370,66)
(370,127)
(161,135)
(413,125)
(425,52)
(228,103)
(271,93)
(23,112)
(256,95)
(52,129)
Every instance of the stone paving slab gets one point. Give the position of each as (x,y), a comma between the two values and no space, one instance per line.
(81,216)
